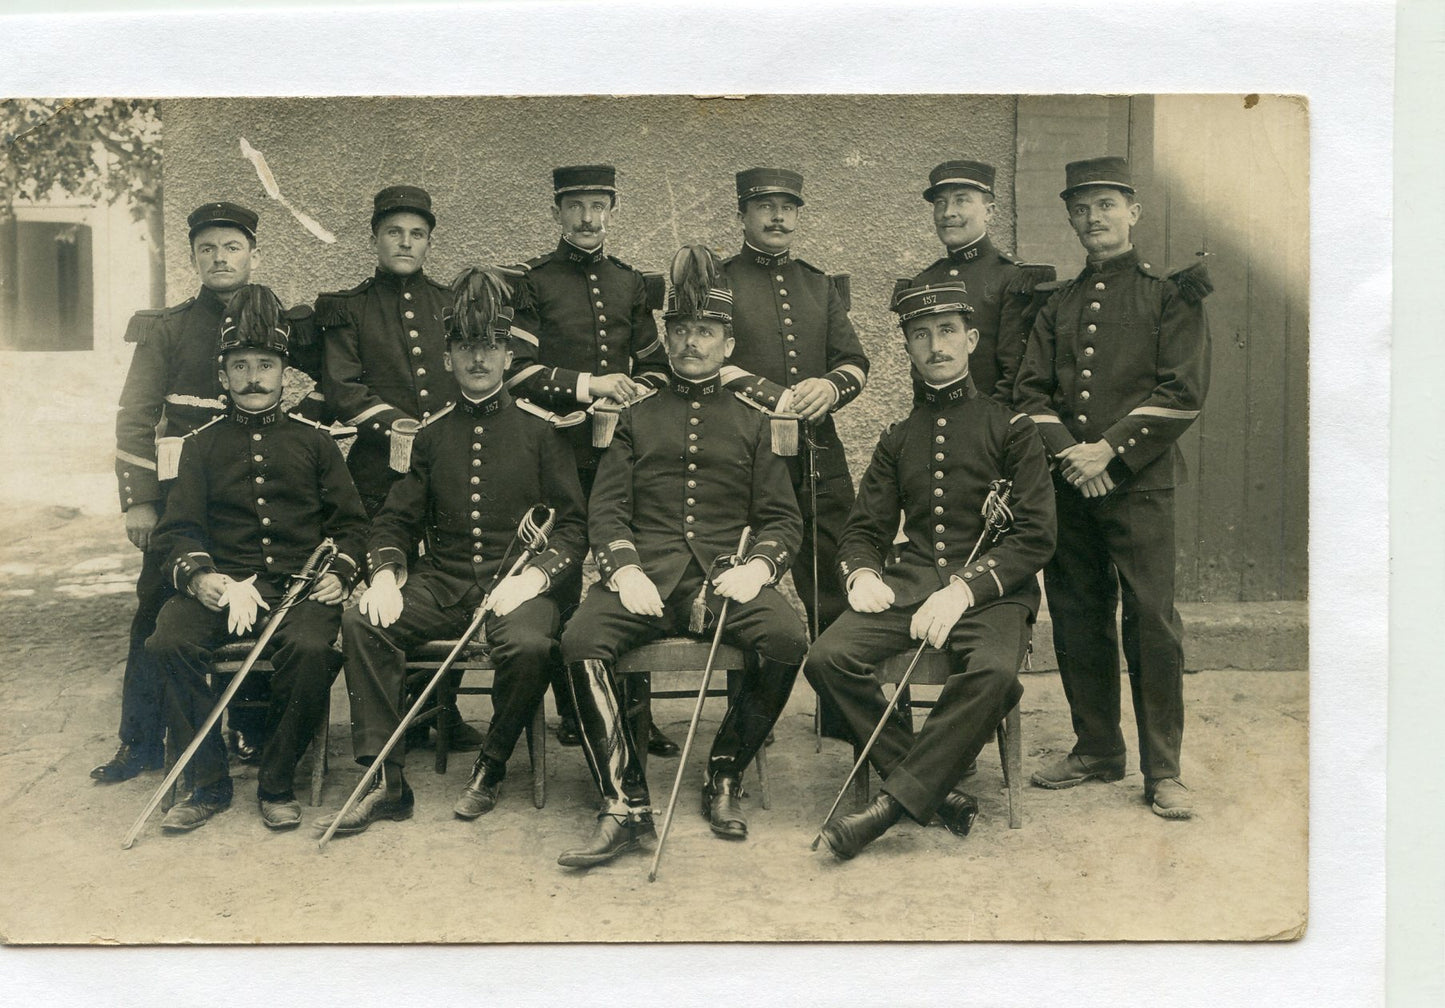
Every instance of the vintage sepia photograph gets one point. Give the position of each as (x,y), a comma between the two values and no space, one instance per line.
(655,518)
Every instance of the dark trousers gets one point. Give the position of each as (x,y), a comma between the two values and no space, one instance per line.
(305,664)
(767,626)
(835,500)
(523,645)
(988,648)
(569,596)
(1124,542)
(143,687)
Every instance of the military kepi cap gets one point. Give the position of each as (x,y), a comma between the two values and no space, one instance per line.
(767,181)
(716,304)
(975,174)
(1100,171)
(412,199)
(930,299)
(222,215)
(255,320)
(584,178)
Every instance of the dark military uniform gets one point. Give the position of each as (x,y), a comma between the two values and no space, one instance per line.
(384,342)
(1001,291)
(688,470)
(255,495)
(477,469)
(582,312)
(791,323)
(936,466)
(1121,353)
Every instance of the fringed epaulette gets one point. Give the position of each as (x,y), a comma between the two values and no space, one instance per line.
(302,322)
(143,325)
(1031,276)
(1007,257)
(627,266)
(842,284)
(809,266)
(445,289)
(438,414)
(655,284)
(331,309)
(1048,287)
(1193,281)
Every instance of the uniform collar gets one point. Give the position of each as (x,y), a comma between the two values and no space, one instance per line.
(689,389)
(245,419)
(395,281)
(766,260)
(582,257)
(955,392)
(1124,260)
(971,251)
(211,301)
(491,404)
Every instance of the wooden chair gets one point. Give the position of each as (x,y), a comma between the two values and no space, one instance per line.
(227,661)
(686,654)
(934,668)
(423,661)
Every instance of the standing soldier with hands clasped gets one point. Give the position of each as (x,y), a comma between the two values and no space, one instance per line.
(1116,370)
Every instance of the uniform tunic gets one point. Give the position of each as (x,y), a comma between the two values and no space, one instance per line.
(255,495)
(1121,353)
(384,340)
(582,312)
(1001,293)
(477,469)
(791,322)
(935,467)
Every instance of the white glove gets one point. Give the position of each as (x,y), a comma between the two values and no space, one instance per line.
(934,619)
(516,589)
(868,593)
(638,593)
(381,602)
(742,584)
(241,600)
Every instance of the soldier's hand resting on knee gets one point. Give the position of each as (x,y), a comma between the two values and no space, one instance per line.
(328,590)
(516,589)
(381,602)
(934,619)
(242,601)
(742,584)
(638,593)
(868,593)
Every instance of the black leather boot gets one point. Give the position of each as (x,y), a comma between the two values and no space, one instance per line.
(614,835)
(958,810)
(751,714)
(849,834)
(482,791)
(721,805)
(128,761)
(607,739)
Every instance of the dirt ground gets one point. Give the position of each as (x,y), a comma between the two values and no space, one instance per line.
(1089,863)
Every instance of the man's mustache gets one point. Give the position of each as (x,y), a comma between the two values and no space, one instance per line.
(780,228)
(253,388)
(939,358)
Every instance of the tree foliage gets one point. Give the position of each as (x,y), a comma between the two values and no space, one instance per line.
(99,149)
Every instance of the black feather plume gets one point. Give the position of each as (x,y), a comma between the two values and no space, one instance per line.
(258,314)
(479,293)
(695,271)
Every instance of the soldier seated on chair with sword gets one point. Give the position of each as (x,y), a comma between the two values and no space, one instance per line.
(256,491)
(476,467)
(688,470)
(952,587)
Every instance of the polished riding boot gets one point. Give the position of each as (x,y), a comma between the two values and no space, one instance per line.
(608,742)
(721,805)
(847,835)
(751,715)
(482,791)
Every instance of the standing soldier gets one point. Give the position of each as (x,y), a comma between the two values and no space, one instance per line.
(384,343)
(790,320)
(1000,288)
(476,468)
(1116,370)
(689,470)
(171,388)
(257,493)
(586,332)
(937,467)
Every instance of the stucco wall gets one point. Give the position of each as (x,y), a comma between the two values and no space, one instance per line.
(487,164)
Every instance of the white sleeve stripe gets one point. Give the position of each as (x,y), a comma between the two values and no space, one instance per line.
(367,414)
(135,460)
(1044,418)
(523,374)
(855,372)
(994,574)
(1163,413)
(523,334)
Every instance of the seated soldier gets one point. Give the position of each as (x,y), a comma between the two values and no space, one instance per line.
(936,466)
(257,491)
(477,467)
(689,469)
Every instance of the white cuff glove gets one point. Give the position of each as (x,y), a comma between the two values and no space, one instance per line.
(381,602)
(241,601)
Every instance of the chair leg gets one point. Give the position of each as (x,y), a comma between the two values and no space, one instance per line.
(761,762)
(319,741)
(1011,755)
(537,749)
(444,734)
(860,781)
